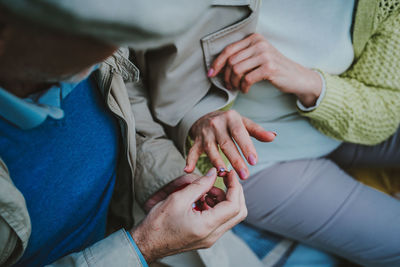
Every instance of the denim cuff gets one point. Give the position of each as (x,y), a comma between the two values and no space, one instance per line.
(138,252)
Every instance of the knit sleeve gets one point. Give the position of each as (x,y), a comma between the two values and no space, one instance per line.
(363,104)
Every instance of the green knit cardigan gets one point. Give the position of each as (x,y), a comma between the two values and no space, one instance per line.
(362,105)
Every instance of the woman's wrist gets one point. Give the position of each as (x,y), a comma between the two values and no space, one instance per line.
(312,90)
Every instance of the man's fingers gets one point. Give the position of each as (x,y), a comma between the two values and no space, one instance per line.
(231,207)
(257,131)
(193,156)
(239,132)
(216,194)
(180,183)
(225,214)
(153,200)
(233,187)
(176,185)
(233,221)
(213,197)
(230,50)
(198,188)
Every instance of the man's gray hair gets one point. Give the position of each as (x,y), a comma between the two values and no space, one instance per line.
(134,23)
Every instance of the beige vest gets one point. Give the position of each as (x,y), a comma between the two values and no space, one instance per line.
(175,75)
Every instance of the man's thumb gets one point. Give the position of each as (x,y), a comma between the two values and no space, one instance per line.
(199,187)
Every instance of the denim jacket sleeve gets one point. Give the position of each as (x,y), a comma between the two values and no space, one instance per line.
(116,250)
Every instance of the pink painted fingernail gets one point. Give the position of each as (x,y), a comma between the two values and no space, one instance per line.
(186,169)
(243,174)
(211,172)
(252,159)
(210,72)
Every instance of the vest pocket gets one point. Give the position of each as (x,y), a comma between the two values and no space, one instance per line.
(214,43)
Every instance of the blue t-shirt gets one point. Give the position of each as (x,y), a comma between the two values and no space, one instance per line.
(66,171)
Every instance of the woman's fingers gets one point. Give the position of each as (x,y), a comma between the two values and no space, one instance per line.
(240,134)
(193,156)
(251,78)
(257,131)
(211,149)
(242,55)
(240,70)
(228,130)
(231,69)
(230,50)
(232,153)
(227,77)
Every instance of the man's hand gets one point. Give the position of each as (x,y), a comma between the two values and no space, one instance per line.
(173,226)
(168,189)
(254,59)
(223,129)
(212,197)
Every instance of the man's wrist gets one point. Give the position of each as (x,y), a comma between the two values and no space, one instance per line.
(137,250)
(141,243)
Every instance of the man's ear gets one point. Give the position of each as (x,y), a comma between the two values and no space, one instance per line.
(3,34)
(4,30)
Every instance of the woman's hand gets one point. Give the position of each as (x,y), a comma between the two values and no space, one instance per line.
(224,128)
(254,59)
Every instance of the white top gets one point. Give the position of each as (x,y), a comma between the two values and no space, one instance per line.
(316,34)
